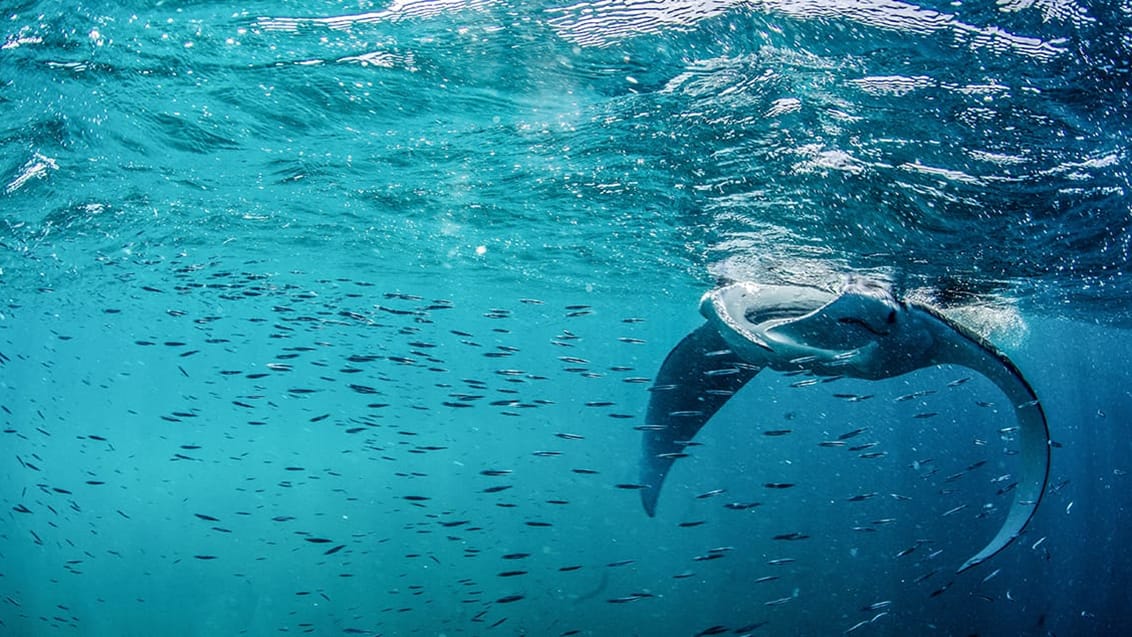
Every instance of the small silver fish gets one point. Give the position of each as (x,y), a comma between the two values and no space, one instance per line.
(953,510)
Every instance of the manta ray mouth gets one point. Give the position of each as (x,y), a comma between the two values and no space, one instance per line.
(778,314)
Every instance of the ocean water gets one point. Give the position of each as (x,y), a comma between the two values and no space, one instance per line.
(341,318)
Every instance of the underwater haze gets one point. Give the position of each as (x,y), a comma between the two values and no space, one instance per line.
(342,317)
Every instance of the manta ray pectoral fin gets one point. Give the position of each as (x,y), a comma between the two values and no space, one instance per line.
(699,375)
(959,346)
(1035,453)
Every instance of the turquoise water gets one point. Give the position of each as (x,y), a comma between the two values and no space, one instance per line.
(341,318)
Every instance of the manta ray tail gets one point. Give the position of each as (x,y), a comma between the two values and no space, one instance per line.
(699,375)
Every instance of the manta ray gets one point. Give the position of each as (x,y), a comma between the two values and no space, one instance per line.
(863,332)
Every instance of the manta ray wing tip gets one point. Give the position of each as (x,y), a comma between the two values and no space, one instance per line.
(648,501)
